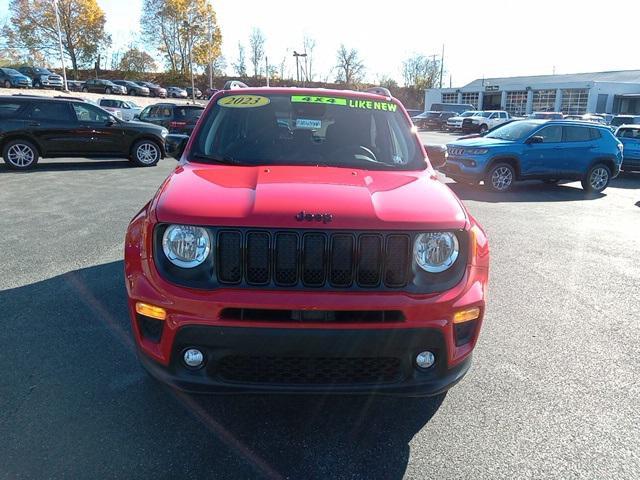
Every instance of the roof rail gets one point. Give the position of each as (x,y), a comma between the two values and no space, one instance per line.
(233,84)
(69,97)
(379,91)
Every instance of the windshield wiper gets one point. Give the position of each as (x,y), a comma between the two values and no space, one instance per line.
(224,160)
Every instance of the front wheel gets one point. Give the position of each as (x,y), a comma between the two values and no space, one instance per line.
(7,84)
(85,89)
(37,85)
(500,177)
(483,129)
(597,178)
(107,90)
(20,155)
(145,153)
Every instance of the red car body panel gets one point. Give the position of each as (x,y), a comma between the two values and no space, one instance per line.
(269,196)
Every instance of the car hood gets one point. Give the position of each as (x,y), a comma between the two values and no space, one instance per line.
(134,124)
(480,142)
(262,196)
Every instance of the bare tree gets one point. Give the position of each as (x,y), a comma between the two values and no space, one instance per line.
(309,45)
(421,72)
(240,65)
(349,67)
(256,47)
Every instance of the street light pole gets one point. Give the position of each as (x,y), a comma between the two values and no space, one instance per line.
(297,55)
(64,71)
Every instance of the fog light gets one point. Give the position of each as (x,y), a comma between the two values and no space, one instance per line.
(425,359)
(193,357)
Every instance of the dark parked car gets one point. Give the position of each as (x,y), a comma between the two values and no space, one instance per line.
(210,92)
(155,90)
(103,86)
(432,120)
(33,127)
(10,78)
(74,85)
(197,90)
(620,120)
(177,118)
(133,88)
(42,78)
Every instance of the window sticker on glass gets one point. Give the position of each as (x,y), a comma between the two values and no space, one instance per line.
(308,124)
(243,101)
(362,104)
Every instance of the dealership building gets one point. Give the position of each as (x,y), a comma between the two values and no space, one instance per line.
(576,94)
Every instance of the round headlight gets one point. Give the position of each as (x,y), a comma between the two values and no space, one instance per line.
(436,251)
(186,246)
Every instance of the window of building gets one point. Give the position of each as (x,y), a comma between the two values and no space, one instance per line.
(574,101)
(544,100)
(471,98)
(516,102)
(450,97)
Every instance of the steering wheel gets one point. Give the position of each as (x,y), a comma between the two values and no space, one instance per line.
(359,152)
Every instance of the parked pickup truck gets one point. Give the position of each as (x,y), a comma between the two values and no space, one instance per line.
(485,120)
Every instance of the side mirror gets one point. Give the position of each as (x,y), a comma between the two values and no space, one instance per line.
(437,155)
(111,122)
(533,140)
(175,145)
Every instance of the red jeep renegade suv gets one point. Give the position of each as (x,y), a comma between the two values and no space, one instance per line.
(303,244)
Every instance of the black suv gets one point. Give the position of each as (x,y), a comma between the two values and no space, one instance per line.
(177,118)
(32,127)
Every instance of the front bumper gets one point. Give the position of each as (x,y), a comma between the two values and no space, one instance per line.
(470,127)
(308,361)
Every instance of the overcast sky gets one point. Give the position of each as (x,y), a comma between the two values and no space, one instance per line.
(497,38)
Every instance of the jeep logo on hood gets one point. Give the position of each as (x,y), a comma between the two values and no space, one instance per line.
(310,217)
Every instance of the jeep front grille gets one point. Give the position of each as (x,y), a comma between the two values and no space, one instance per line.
(312,259)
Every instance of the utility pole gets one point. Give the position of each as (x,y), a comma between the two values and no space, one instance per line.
(442,65)
(297,55)
(266,68)
(64,71)
(210,55)
(187,25)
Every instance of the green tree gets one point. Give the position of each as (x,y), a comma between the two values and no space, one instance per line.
(177,26)
(32,28)
(134,60)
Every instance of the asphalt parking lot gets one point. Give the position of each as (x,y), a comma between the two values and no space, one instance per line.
(553,392)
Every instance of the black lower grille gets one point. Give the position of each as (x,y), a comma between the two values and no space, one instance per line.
(309,370)
(313,259)
(312,316)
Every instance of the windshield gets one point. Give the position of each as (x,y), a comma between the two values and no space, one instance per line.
(41,70)
(513,131)
(11,71)
(482,114)
(470,113)
(617,121)
(132,104)
(285,129)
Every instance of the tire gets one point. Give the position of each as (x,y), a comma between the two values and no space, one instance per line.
(145,153)
(37,84)
(7,84)
(108,90)
(500,177)
(131,92)
(597,178)
(483,129)
(85,89)
(20,155)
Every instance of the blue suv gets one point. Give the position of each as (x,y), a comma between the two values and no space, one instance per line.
(537,149)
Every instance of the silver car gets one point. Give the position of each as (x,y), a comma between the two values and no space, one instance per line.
(177,92)
(124,109)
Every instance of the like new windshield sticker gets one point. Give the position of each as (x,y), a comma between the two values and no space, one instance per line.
(308,124)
